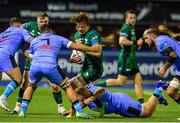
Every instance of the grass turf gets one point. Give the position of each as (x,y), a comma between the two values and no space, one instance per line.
(44,109)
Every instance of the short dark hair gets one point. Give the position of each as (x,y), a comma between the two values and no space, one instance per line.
(45,28)
(129,12)
(42,14)
(81,17)
(15,20)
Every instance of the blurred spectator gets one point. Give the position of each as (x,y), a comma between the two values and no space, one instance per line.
(163,29)
(110,40)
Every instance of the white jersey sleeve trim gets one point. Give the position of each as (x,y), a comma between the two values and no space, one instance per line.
(69,43)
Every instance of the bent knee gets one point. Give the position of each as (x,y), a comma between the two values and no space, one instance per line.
(147,114)
(55,87)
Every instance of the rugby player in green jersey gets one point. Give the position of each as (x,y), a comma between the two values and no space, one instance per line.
(127,63)
(92,67)
(33,28)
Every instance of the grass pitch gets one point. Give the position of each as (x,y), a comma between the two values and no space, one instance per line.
(44,109)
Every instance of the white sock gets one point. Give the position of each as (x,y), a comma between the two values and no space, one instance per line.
(2,97)
(61,108)
(18,107)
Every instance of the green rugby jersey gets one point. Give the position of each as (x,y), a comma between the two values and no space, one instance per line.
(90,38)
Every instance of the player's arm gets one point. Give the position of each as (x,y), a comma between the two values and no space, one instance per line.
(82,47)
(99,92)
(123,38)
(96,54)
(124,41)
(95,41)
(169,52)
(140,42)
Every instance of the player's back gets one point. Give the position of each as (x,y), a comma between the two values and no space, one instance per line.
(164,41)
(116,102)
(45,49)
(11,39)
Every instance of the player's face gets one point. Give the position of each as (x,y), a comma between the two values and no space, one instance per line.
(41,21)
(131,19)
(148,39)
(82,27)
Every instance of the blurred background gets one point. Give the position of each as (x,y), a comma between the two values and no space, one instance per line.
(107,17)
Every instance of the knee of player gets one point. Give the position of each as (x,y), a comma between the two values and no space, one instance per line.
(55,87)
(170,92)
(18,80)
(64,84)
(147,114)
(33,86)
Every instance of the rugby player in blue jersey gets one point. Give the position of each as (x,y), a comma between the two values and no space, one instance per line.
(10,42)
(170,48)
(45,49)
(105,102)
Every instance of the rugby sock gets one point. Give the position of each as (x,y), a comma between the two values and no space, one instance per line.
(58,97)
(101,83)
(25,104)
(141,100)
(18,106)
(20,95)
(10,88)
(76,104)
(157,92)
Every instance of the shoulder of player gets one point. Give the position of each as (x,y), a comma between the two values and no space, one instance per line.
(160,42)
(126,26)
(30,24)
(162,39)
(92,33)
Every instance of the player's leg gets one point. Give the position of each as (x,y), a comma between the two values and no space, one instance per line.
(138,86)
(35,76)
(119,81)
(27,96)
(16,80)
(77,81)
(72,96)
(23,86)
(60,79)
(9,66)
(82,78)
(150,105)
(86,76)
(58,98)
(173,89)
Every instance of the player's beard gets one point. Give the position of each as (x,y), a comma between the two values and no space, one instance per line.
(151,45)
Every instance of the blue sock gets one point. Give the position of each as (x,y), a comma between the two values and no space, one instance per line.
(77,106)
(157,92)
(24,106)
(10,88)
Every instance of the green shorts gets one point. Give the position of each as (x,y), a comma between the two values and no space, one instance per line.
(27,64)
(91,74)
(127,66)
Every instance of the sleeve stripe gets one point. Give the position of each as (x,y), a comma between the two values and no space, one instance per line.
(69,43)
(123,34)
(30,39)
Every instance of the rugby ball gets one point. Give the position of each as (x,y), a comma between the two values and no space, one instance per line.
(80,54)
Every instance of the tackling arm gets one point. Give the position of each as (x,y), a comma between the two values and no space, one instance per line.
(169,52)
(96,54)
